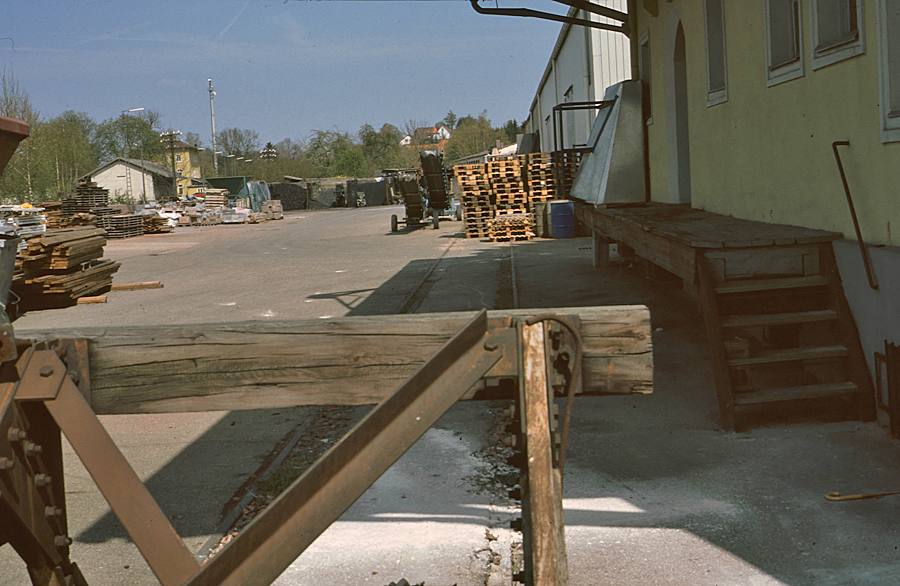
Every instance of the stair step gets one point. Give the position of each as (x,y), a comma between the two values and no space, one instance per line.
(774,319)
(791,355)
(750,285)
(821,391)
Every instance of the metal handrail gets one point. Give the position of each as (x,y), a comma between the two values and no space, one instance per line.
(862,245)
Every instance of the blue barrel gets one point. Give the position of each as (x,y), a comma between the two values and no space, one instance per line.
(562,218)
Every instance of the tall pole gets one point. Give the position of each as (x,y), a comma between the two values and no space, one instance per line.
(212,119)
(127,152)
(170,137)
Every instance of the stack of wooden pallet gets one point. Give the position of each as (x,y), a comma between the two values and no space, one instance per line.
(539,177)
(505,176)
(58,267)
(477,197)
(124,226)
(570,160)
(509,227)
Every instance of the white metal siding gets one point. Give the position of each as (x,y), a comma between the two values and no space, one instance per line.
(610,57)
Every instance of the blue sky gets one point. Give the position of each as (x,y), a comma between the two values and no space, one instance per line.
(280,68)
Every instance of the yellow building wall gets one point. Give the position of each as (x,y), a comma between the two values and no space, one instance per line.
(188,167)
(765,154)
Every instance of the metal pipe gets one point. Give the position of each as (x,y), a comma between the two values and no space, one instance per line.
(862,245)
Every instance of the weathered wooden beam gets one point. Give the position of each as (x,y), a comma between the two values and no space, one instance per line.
(335,361)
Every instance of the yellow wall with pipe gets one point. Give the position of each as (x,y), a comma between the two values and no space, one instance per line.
(765,154)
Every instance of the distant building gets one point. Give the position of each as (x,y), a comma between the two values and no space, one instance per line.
(434,137)
(133,180)
(187,165)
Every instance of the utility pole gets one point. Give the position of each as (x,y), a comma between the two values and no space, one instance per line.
(212,119)
(170,137)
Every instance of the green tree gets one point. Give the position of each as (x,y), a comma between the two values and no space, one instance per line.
(19,182)
(510,131)
(472,135)
(128,135)
(66,147)
(237,142)
(450,120)
(350,163)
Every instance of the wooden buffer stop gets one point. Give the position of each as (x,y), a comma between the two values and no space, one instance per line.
(412,367)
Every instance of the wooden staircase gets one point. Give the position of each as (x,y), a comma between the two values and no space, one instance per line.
(784,344)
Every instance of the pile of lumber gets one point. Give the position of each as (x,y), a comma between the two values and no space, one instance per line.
(87,198)
(215,200)
(54,214)
(124,226)
(58,267)
(156,224)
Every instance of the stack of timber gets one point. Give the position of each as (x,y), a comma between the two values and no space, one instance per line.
(156,224)
(124,226)
(477,199)
(540,177)
(511,227)
(87,198)
(215,200)
(54,214)
(58,267)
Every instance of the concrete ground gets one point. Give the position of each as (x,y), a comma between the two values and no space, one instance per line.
(655,493)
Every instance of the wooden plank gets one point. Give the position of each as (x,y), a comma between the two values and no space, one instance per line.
(773,319)
(791,355)
(90,300)
(339,361)
(752,285)
(722,375)
(137,286)
(670,255)
(823,391)
(542,481)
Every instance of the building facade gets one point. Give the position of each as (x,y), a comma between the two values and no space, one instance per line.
(133,180)
(584,62)
(746,101)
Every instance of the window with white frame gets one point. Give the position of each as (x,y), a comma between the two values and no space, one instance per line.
(716,75)
(178,158)
(837,31)
(784,49)
(889,69)
(644,65)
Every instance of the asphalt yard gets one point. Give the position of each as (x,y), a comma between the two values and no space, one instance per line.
(655,492)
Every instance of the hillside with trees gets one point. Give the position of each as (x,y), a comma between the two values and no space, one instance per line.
(67,146)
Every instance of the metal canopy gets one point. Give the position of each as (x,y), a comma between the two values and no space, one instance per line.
(579,4)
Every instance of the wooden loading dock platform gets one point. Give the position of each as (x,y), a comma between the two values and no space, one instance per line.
(783,341)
